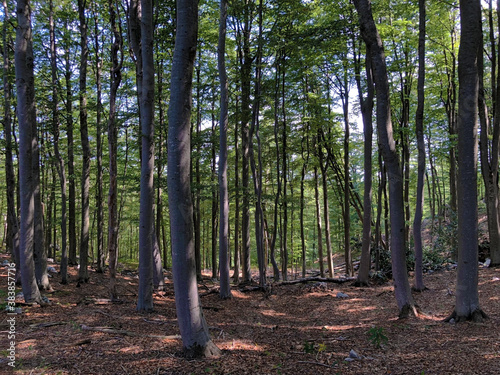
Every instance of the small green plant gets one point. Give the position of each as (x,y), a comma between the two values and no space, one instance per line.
(309,347)
(377,336)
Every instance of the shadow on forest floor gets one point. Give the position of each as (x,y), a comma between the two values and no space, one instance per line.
(298,329)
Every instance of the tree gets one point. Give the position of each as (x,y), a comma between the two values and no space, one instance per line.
(116,77)
(419,127)
(25,86)
(467,305)
(61,170)
(12,216)
(194,330)
(375,47)
(83,275)
(146,225)
(225,287)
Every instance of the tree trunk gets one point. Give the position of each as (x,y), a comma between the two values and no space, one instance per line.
(85,182)
(419,127)
(147,233)
(60,162)
(100,194)
(25,85)
(326,212)
(318,220)
(366,113)
(225,286)
(10,177)
(113,220)
(467,297)
(372,39)
(194,330)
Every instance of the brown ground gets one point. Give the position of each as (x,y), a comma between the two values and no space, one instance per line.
(298,329)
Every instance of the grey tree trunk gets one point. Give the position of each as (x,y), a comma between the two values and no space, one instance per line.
(366,113)
(25,85)
(194,330)
(83,275)
(146,217)
(326,212)
(10,177)
(419,127)
(467,297)
(318,220)
(60,161)
(100,195)
(373,41)
(113,220)
(225,286)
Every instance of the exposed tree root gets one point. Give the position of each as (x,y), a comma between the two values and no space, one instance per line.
(476,316)
(418,290)
(409,310)
(210,350)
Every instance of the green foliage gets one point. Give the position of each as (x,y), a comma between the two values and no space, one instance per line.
(376,335)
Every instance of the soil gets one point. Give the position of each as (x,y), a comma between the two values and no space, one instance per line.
(294,329)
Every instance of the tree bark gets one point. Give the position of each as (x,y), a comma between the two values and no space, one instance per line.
(194,330)
(60,161)
(419,127)
(83,275)
(146,217)
(372,39)
(318,220)
(113,220)
(25,85)
(366,113)
(225,286)
(467,296)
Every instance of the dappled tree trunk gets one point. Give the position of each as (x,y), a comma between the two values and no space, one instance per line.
(83,275)
(146,218)
(194,330)
(215,198)
(236,273)
(60,162)
(467,297)
(318,221)
(25,85)
(419,127)
(326,212)
(100,195)
(489,160)
(197,207)
(372,39)
(71,164)
(366,113)
(10,177)
(225,286)
(113,221)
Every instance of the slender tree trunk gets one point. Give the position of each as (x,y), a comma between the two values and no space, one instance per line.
(284,168)
(71,164)
(326,213)
(225,286)
(85,182)
(25,85)
(10,177)
(372,39)
(236,274)
(215,198)
(113,220)
(467,297)
(60,162)
(197,208)
(194,330)
(419,125)
(100,194)
(146,220)
(318,220)
(366,113)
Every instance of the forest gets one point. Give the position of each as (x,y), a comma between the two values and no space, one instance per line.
(279,186)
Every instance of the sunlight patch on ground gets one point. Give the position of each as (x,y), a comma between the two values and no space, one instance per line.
(241,345)
(271,313)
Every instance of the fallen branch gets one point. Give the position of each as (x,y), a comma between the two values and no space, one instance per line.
(319,279)
(315,363)
(125,333)
(210,291)
(49,324)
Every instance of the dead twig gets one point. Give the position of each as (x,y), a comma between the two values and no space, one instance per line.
(126,333)
(315,363)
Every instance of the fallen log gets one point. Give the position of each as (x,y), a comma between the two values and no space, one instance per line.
(125,333)
(305,280)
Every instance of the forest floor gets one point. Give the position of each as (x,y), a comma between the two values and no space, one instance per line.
(296,329)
